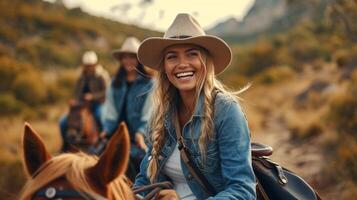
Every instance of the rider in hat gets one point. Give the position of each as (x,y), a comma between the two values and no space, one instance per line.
(127,100)
(90,87)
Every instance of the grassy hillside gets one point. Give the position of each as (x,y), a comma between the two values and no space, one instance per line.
(49,35)
(305,79)
(331,37)
(41,45)
(38,40)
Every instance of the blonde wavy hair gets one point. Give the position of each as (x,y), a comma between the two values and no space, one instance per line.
(73,166)
(164,96)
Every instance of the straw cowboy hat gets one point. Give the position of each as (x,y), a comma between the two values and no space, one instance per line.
(130,45)
(89,58)
(185,30)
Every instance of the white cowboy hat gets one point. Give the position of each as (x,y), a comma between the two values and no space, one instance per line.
(185,30)
(130,45)
(89,58)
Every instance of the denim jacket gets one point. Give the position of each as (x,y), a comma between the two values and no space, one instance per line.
(227,166)
(138,106)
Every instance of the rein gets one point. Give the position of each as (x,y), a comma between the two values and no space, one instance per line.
(155,188)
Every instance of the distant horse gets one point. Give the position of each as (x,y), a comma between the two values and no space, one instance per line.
(76,175)
(82,130)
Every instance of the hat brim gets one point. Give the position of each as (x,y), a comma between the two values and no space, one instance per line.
(151,50)
(118,53)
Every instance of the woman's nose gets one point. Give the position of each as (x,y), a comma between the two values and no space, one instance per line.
(183,62)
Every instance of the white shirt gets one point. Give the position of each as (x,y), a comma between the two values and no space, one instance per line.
(173,170)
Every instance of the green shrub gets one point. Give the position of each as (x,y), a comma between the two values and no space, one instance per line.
(9,104)
(341,57)
(67,81)
(28,53)
(306,130)
(8,72)
(304,124)
(342,164)
(275,75)
(343,114)
(29,88)
(56,93)
(12,178)
(37,113)
(258,58)
(343,117)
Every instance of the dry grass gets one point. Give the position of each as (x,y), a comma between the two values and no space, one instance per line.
(302,132)
(12,175)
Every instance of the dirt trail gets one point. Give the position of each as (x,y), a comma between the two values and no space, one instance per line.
(303,158)
(269,109)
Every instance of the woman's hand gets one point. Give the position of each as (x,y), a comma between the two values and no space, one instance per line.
(88,96)
(103,135)
(167,195)
(140,141)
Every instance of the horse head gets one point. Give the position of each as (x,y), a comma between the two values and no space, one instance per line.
(82,129)
(76,175)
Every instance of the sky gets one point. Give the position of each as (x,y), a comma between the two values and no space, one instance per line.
(158,14)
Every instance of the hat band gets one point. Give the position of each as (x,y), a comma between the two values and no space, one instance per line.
(180,37)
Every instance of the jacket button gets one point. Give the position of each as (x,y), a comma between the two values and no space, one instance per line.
(189,177)
(149,158)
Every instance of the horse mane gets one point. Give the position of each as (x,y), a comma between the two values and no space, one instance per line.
(73,166)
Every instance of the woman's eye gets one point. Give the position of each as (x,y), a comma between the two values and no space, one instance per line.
(170,56)
(192,53)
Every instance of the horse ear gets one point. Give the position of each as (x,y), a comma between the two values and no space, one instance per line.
(34,150)
(114,160)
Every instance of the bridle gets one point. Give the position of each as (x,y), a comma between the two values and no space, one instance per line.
(59,193)
(55,193)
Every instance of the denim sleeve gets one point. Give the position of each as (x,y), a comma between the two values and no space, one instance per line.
(141,178)
(234,149)
(110,115)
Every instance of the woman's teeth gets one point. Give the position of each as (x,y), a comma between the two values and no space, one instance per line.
(184,74)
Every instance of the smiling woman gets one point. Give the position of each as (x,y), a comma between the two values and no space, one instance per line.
(196,123)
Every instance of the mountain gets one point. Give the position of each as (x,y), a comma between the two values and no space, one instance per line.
(260,16)
(268,17)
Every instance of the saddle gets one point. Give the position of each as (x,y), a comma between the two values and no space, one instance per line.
(275,182)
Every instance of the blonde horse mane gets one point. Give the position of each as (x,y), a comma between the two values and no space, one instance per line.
(73,166)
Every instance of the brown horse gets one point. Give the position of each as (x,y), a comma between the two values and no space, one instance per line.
(82,130)
(76,175)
